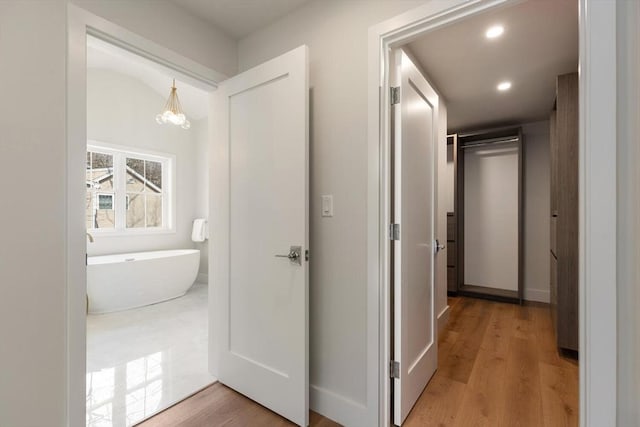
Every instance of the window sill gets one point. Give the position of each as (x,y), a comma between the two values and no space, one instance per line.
(131,233)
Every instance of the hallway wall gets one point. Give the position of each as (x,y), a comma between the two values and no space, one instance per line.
(33,325)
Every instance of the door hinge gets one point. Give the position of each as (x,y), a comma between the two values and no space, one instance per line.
(306,255)
(394,231)
(395,95)
(394,369)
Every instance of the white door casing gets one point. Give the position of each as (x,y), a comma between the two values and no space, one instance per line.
(259,193)
(415,134)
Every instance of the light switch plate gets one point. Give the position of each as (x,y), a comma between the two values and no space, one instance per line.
(327,205)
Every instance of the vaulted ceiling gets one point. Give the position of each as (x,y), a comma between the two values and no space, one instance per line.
(103,55)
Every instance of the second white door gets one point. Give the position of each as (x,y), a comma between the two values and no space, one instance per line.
(415,119)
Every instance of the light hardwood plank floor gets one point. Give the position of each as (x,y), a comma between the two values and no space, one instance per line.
(498,367)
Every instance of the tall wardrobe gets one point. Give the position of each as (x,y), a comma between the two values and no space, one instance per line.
(564,213)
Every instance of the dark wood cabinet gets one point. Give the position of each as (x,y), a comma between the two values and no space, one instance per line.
(564,212)
(452,255)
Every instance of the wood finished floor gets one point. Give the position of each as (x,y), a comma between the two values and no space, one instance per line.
(498,367)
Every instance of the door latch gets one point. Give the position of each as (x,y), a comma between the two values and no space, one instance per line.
(293,255)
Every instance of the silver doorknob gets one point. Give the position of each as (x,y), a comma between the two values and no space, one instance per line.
(293,255)
(438,246)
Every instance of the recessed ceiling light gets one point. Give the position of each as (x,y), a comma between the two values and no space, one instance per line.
(504,86)
(495,31)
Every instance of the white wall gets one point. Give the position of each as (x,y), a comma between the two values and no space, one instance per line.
(336,33)
(167,24)
(537,210)
(491,216)
(628,250)
(32,247)
(200,129)
(448,180)
(121,110)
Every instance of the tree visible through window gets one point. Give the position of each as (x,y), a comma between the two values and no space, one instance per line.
(125,190)
(144,192)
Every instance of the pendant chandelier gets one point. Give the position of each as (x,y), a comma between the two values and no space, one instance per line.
(172,111)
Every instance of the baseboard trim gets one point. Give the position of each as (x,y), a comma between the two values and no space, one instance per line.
(202,278)
(443,319)
(338,408)
(537,295)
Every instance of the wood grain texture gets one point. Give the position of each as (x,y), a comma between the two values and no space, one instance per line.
(567,223)
(498,367)
(452,253)
(511,375)
(218,405)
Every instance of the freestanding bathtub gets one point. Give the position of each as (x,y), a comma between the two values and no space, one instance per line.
(123,281)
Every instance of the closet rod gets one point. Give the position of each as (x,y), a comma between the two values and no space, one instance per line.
(490,142)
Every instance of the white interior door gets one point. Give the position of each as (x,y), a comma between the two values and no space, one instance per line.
(259,181)
(415,335)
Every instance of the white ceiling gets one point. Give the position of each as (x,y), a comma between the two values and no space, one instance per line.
(103,55)
(238,18)
(540,41)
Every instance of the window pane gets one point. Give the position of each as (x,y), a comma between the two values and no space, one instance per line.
(141,200)
(99,172)
(88,172)
(105,201)
(104,214)
(135,175)
(101,161)
(89,210)
(137,165)
(154,210)
(135,211)
(153,173)
(105,182)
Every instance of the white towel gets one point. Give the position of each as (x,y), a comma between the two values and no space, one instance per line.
(199,231)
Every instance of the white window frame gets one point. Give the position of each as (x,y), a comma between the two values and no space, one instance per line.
(120,153)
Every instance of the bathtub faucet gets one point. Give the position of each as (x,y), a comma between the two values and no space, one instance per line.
(90,237)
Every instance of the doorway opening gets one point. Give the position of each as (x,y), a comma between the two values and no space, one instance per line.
(506,204)
(254,150)
(146,212)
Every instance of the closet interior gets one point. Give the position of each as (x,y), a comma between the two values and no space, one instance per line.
(485,229)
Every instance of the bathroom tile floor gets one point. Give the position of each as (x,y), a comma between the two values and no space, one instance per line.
(144,360)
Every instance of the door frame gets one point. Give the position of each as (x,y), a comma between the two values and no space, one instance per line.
(81,23)
(597,206)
